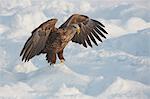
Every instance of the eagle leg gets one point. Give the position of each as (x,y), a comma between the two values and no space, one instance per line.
(51,57)
(53,61)
(60,56)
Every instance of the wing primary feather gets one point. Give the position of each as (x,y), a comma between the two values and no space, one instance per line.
(26,53)
(102,29)
(93,39)
(95,34)
(85,32)
(84,44)
(84,36)
(88,41)
(99,32)
(29,54)
(27,50)
(35,43)
(28,42)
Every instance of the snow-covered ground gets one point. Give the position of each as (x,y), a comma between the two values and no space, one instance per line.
(118,68)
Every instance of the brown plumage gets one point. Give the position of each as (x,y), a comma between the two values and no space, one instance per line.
(49,40)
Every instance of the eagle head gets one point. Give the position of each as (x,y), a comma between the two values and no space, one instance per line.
(77,27)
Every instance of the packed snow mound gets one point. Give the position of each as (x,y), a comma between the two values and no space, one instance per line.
(126,89)
(70,93)
(52,82)
(25,67)
(18,90)
(51,79)
(137,44)
(24,91)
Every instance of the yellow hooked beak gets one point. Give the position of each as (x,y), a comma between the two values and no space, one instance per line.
(78,30)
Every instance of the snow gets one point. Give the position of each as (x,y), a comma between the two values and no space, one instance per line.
(126,89)
(136,23)
(15,91)
(55,80)
(110,73)
(118,68)
(25,67)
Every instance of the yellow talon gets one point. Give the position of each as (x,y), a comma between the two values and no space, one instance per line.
(62,61)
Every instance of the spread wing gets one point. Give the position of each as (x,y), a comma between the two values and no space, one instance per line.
(36,42)
(89,29)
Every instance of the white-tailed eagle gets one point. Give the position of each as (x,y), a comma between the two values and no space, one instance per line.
(49,40)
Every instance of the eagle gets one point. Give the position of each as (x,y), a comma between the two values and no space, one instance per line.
(49,40)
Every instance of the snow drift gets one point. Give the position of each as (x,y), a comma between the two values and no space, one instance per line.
(119,68)
(113,70)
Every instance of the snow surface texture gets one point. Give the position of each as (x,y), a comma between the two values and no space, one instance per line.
(118,68)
